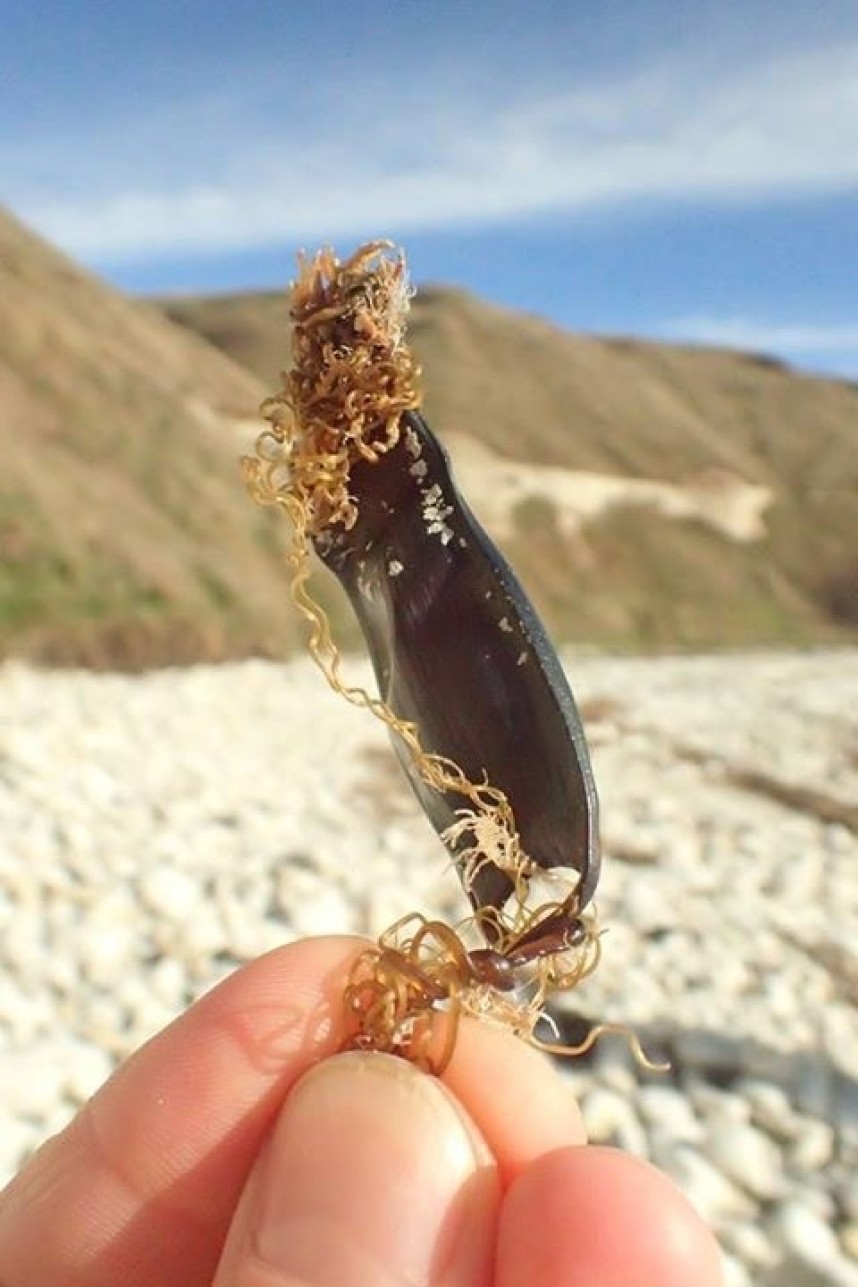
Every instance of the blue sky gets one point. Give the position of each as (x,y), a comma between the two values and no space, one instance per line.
(683,169)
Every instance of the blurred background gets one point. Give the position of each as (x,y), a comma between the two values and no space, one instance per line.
(632,229)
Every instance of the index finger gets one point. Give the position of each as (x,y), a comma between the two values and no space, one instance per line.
(142,1185)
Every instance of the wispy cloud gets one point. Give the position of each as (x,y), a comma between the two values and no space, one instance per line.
(760,336)
(786,125)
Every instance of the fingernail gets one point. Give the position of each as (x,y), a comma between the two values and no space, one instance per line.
(374,1177)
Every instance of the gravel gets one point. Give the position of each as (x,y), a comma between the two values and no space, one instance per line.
(158,830)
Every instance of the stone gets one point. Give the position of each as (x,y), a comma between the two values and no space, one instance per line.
(18,1140)
(203,939)
(770,1107)
(646,908)
(815,1196)
(813,1147)
(748,1157)
(715,1105)
(735,1272)
(610,1118)
(168,982)
(106,948)
(22,946)
(326,912)
(170,893)
(800,1232)
(86,1069)
(114,859)
(31,1080)
(62,974)
(24,1014)
(749,1243)
(666,1108)
(714,1195)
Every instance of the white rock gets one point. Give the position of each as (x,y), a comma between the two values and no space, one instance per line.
(662,1147)
(748,1157)
(665,1107)
(62,974)
(770,1107)
(103,1021)
(270,934)
(245,939)
(24,1014)
(750,1245)
(606,1113)
(326,912)
(714,1195)
(18,1140)
(717,1106)
(87,808)
(813,1147)
(86,1069)
(31,1081)
(203,937)
(57,1120)
(647,908)
(383,905)
(22,947)
(814,1196)
(169,892)
(735,1272)
(168,982)
(106,949)
(800,1232)
(146,1012)
(98,785)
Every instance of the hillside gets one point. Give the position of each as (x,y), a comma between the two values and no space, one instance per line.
(126,537)
(649,494)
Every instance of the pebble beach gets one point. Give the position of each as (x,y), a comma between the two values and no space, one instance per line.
(157,831)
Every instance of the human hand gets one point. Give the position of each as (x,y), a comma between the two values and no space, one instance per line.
(231,1150)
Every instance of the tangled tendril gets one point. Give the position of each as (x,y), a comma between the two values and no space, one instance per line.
(352,379)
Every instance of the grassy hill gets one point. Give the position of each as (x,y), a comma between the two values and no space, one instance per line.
(126,537)
(708,422)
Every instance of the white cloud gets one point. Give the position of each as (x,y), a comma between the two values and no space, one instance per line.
(764,337)
(786,125)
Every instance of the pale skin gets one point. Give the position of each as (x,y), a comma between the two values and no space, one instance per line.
(237,1149)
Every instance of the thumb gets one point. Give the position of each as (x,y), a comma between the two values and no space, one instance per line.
(373,1177)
